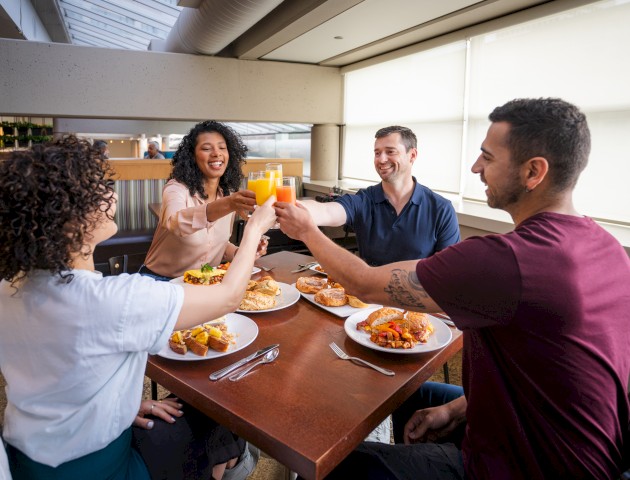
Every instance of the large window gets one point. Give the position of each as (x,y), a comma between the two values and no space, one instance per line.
(445,95)
(424,92)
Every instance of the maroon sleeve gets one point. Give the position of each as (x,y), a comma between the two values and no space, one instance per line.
(476,282)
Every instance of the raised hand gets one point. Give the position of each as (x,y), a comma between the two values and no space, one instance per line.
(295,220)
(243,202)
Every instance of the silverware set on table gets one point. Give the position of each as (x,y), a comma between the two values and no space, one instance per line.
(270,353)
(304,266)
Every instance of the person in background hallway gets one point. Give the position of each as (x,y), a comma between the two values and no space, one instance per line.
(199,203)
(102,147)
(74,344)
(544,312)
(154,151)
(397,219)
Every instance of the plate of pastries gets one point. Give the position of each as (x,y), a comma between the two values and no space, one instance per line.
(329,295)
(267,295)
(397,331)
(216,338)
(262,295)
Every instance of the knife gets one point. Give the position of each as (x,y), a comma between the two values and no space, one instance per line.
(230,368)
(445,318)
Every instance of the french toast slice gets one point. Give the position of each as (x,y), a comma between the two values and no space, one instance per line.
(195,346)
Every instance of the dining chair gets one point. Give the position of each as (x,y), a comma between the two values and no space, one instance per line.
(118,264)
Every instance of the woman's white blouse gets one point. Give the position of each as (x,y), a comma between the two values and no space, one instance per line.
(74,355)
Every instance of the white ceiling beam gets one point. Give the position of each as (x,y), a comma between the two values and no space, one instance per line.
(287,22)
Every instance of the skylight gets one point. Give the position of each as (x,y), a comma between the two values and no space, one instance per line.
(125,24)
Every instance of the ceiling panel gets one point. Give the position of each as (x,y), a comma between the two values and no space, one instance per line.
(367,22)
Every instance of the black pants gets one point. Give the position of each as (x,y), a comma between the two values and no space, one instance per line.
(378,461)
(186,449)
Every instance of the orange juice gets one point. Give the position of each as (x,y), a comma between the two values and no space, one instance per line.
(263,189)
(285,189)
(286,194)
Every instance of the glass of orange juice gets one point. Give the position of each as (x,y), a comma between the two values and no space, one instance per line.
(285,189)
(261,184)
(273,171)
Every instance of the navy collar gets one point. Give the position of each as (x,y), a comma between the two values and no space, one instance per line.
(416,196)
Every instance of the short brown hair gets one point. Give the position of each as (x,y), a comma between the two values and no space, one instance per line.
(407,137)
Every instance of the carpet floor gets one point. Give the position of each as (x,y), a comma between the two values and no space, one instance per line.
(268,468)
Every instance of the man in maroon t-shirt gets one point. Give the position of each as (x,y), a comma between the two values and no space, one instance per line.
(544,309)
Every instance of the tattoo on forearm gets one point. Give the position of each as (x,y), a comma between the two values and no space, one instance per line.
(404,289)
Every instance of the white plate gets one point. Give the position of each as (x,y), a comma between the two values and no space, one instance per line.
(180,280)
(244,330)
(288,297)
(344,311)
(439,338)
(317,271)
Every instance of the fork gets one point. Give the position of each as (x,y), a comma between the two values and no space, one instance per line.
(343,355)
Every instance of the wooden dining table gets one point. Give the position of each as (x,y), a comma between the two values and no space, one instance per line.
(309,409)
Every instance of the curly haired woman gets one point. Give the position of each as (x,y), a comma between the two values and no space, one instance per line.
(74,344)
(199,203)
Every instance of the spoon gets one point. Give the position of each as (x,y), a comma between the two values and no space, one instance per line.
(268,358)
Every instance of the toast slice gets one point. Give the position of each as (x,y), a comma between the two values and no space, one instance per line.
(195,346)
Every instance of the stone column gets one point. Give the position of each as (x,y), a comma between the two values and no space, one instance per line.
(57,133)
(325,152)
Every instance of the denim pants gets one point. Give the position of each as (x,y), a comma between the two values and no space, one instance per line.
(430,394)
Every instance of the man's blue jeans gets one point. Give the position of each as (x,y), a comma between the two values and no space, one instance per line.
(430,394)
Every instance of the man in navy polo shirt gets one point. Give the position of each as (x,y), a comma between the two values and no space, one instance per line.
(398,219)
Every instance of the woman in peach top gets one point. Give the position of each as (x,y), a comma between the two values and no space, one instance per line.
(199,203)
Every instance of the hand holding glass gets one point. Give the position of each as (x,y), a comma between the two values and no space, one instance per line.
(244,214)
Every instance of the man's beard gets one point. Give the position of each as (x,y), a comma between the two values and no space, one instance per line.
(510,194)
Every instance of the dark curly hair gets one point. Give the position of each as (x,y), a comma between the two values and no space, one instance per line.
(186,171)
(47,197)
